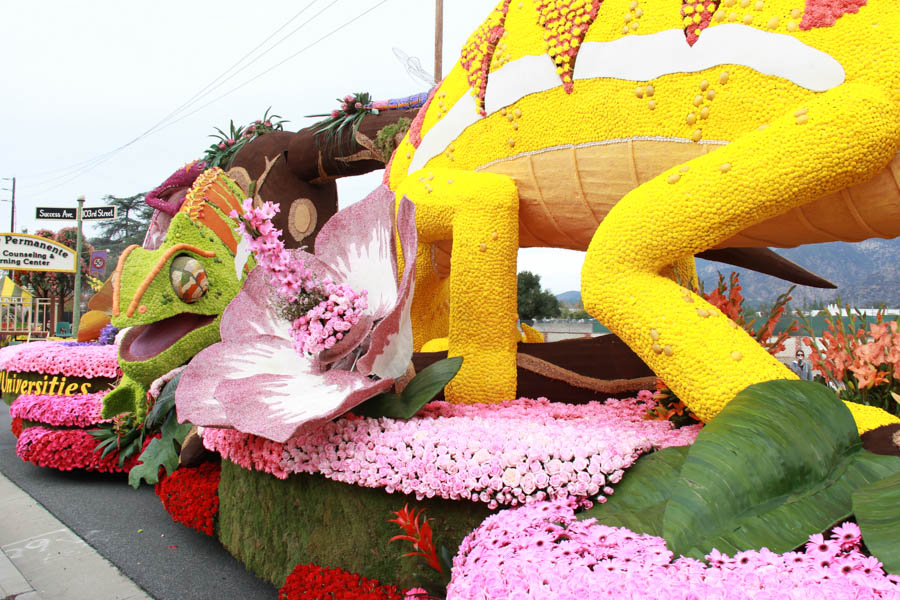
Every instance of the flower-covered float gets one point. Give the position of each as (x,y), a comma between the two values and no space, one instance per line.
(644,133)
(55,390)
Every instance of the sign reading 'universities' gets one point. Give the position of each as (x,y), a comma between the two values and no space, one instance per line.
(88,213)
(25,252)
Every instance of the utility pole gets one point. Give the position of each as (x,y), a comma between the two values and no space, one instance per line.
(76,300)
(438,39)
(12,214)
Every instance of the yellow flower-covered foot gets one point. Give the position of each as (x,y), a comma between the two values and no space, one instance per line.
(479,213)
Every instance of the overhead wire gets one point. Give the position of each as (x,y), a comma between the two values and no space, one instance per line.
(78,169)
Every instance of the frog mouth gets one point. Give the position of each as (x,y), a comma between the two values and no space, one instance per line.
(143,342)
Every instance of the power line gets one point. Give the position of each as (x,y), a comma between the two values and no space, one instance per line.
(65,171)
(275,66)
(104,157)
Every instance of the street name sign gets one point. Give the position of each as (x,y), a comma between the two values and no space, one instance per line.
(56,214)
(88,213)
(98,213)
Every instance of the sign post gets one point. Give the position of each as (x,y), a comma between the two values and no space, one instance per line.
(76,301)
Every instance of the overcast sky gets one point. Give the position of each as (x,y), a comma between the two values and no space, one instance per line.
(82,79)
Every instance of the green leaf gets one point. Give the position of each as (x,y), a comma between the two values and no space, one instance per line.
(640,498)
(877,510)
(163,406)
(779,463)
(418,392)
(160,452)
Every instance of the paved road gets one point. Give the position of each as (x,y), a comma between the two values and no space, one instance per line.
(169,561)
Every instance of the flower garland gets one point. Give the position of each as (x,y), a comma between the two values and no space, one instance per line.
(67,449)
(320,311)
(82,410)
(52,358)
(191,496)
(499,454)
(312,582)
(586,560)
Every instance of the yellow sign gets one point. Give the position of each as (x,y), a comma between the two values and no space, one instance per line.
(26,252)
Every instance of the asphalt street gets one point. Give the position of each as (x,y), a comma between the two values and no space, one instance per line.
(131,529)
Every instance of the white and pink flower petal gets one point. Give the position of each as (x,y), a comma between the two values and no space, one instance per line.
(391,346)
(253,311)
(280,406)
(358,244)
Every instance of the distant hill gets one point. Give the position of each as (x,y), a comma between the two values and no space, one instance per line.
(866,273)
(571,298)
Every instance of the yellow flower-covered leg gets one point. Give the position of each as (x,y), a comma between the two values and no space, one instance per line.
(430,309)
(479,212)
(838,138)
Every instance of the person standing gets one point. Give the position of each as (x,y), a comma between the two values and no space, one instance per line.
(801,367)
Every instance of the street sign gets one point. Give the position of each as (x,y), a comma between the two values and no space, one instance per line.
(56,214)
(25,252)
(95,213)
(98,213)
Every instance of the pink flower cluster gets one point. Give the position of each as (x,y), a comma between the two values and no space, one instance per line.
(82,410)
(583,559)
(67,449)
(501,454)
(53,358)
(335,307)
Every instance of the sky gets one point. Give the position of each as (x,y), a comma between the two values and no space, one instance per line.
(109,97)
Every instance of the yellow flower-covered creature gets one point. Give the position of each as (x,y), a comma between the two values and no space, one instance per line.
(645,132)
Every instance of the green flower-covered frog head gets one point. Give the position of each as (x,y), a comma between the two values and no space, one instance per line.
(172,298)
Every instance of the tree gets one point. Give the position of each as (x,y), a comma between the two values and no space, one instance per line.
(48,284)
(129,227)
(534,302)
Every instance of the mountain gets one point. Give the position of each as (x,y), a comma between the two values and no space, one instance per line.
(867,274)
(571,298)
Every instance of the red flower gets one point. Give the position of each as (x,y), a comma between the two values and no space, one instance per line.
(17,426)
(417,533)
(191,496)
(312,582)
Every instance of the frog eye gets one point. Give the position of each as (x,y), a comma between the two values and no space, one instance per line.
(188,278)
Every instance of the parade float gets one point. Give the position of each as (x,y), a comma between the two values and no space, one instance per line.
(645,133)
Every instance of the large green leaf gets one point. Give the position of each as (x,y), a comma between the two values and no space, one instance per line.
(877,510)
(641,496)
(160,452)
(164,404)
(779,463)
(420,390)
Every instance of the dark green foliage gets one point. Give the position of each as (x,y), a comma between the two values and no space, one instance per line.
(877,510)
(385,139)
(778,464)
(534,302)
(129,227)
(420,390)
(162,452)
(272,525)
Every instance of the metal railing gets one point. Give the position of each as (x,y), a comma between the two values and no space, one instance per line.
(29,317)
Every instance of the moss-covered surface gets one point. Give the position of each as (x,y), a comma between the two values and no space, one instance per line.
(272,525)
